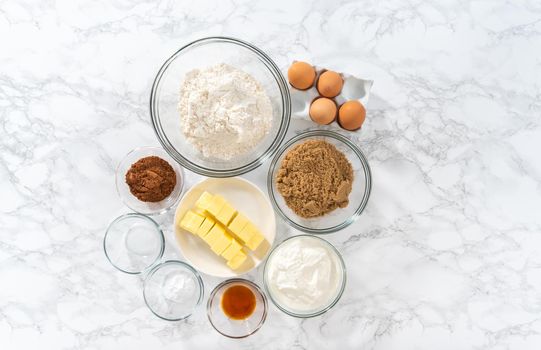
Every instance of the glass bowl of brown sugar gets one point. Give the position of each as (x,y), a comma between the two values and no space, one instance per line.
(319,182)
(149,181)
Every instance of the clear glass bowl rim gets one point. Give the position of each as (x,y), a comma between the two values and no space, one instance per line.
(141,216)
(358,153)
(316,313)
(284,123)
(238,280)
(200,284)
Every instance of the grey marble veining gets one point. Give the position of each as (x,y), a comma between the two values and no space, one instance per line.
(447,254)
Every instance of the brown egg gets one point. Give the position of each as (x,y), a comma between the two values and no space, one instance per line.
(330,84)
(351,115)
(323,111)
(301,75)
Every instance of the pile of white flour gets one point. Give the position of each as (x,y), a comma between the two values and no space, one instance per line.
(224,111)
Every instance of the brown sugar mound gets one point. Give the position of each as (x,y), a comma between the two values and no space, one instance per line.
(151,179)
(315,178)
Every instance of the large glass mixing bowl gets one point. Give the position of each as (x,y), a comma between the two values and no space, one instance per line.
(340,217)
(165,95)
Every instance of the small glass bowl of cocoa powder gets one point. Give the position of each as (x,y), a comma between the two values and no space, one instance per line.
(319,182)
(149,181)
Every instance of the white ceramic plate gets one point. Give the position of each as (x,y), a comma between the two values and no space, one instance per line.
(248,199)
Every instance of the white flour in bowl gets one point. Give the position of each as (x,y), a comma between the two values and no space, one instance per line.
(224,111)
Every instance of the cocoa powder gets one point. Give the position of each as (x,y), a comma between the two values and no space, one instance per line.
(315,178)
(151,179)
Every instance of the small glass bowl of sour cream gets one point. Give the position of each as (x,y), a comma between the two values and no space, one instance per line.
(304,276)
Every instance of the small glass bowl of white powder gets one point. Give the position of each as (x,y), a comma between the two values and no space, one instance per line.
(304,276)
(172,290)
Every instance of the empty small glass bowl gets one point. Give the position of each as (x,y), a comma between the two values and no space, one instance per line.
(340,217)
(123,190)
(165,95)
(172,290)
(230,327)
(133,243)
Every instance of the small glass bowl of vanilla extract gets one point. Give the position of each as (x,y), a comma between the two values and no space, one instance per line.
(237,308)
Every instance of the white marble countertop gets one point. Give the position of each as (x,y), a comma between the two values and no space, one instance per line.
(447,254)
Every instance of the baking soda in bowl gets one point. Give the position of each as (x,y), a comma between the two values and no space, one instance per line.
(304,276)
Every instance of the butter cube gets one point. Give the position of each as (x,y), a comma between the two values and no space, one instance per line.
(205,227)
(247,232)
(216,205)
(204,201)
(232,250)
(237,260)
(226,214)
(215,233)
(238,223)
(200,211)
(191,221)
(255,241)
(221,244)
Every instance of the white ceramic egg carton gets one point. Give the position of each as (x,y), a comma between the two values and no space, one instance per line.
(354,89)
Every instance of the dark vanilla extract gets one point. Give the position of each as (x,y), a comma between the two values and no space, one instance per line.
(238,302)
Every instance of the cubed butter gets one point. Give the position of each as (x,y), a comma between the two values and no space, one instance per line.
(247,232)
(204,201)
(205,227)
(211,219)
(237,260)
(255,241)
(238,223)
(191,221)
(232,250)
(200,211)
(221,244)
(226,214)
(215,233)
(216,205)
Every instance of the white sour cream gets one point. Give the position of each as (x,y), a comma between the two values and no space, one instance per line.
(304,274)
